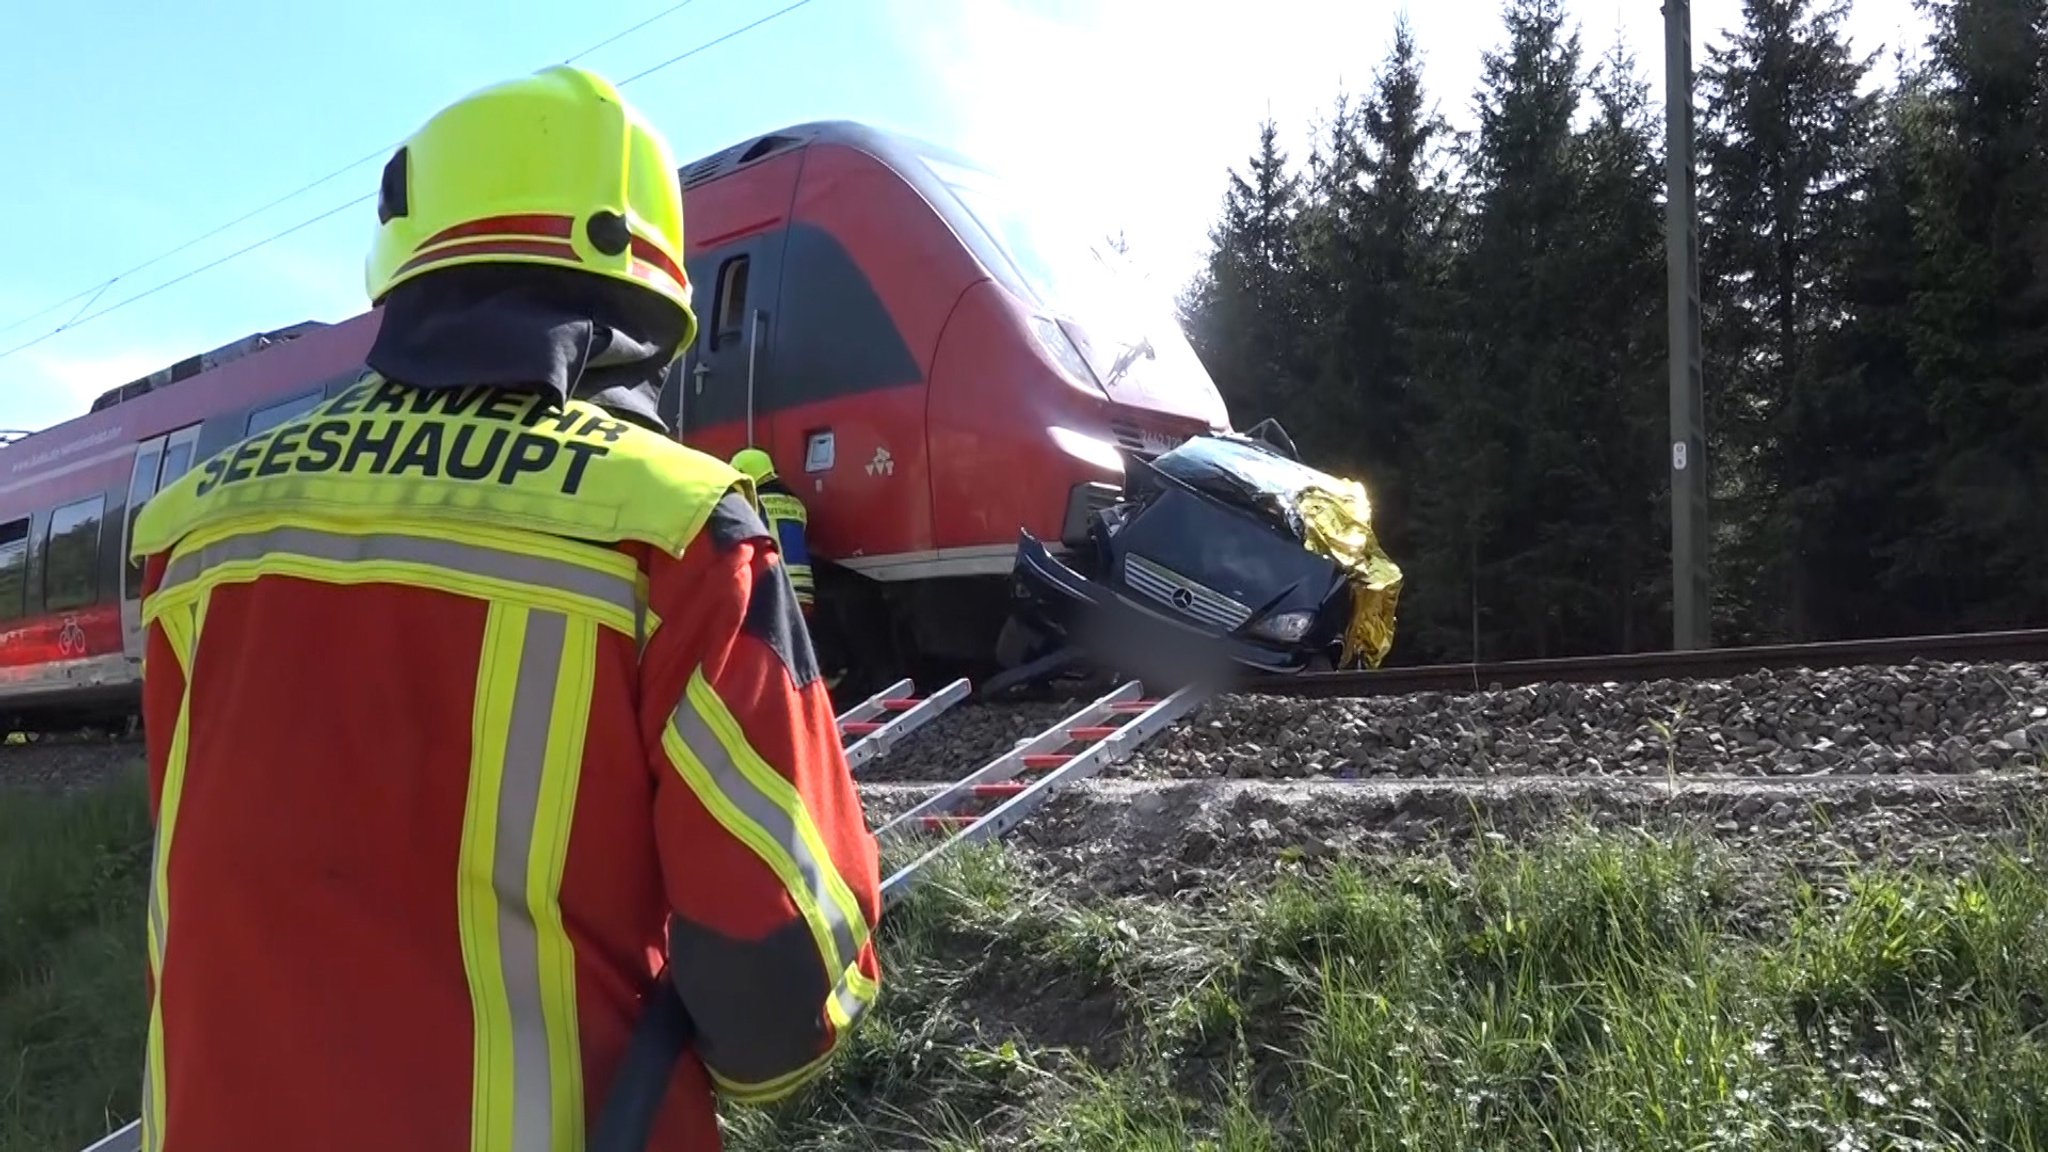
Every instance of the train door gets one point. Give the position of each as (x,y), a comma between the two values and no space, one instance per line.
(158,461)
(720,382)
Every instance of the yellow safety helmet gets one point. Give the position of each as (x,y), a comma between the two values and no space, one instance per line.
(756,464)
(553,168)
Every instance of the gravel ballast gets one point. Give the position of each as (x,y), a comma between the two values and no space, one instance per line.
(1929,718)
(1900,763)
(964,738)
(1920,719)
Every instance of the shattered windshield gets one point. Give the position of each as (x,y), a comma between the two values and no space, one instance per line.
(1244,474)
(1246,464)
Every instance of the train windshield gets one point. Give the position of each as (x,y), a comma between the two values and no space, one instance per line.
(1062,270)
(1133,341)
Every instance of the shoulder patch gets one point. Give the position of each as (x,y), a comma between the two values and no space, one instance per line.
(773,616)
(774,619)
(734,520)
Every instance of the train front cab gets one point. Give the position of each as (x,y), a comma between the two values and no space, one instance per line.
(927,368)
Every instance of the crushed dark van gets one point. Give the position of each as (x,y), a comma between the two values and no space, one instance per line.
(1226,552)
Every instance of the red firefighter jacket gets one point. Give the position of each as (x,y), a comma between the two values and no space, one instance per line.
(451,699)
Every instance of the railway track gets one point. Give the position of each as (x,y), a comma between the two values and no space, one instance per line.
(2009,647)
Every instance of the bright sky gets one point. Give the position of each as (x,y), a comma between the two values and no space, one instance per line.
(155,123)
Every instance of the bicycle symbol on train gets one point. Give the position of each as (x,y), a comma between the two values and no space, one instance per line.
(71,637)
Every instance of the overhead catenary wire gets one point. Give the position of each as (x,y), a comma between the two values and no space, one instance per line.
(275,236)
(100,289)
(664,14)
(775,15)
(94,292)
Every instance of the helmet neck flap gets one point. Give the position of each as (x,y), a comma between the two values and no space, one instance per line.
(531,328)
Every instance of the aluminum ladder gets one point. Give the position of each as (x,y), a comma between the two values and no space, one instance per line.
(876,725)
(996,797)
(1065,753)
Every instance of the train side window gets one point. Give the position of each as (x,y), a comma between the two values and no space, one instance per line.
(177,456)
(158,464)
(264,419)
(149,460)
(14,569)
(731,305)
(149,457)
(71,555)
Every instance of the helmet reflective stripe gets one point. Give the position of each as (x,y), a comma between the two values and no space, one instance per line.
(496,235)
(553,168)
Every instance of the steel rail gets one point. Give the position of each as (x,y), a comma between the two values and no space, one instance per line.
(2024,646)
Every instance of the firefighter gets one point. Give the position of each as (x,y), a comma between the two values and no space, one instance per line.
(786,518)
(471,693)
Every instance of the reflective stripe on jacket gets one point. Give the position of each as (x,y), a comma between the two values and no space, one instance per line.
(786,518)
(451,700)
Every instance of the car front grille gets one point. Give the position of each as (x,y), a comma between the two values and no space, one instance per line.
(1184,595)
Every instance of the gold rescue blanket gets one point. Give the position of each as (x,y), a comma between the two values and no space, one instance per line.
(1337,522)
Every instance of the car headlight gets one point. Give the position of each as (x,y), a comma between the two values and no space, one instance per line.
(1287,627)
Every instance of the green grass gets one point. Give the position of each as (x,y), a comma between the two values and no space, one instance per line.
(1598,990)
(73,875)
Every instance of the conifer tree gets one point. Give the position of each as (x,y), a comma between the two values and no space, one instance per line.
(1979,321)
(1245,314)
(1377,255)
(1494,531)
(1618,386)
(1783,165)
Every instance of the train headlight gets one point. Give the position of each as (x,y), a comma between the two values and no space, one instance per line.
(1091,450)
(1287,627)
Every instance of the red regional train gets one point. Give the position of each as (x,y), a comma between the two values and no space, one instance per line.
(932,365)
